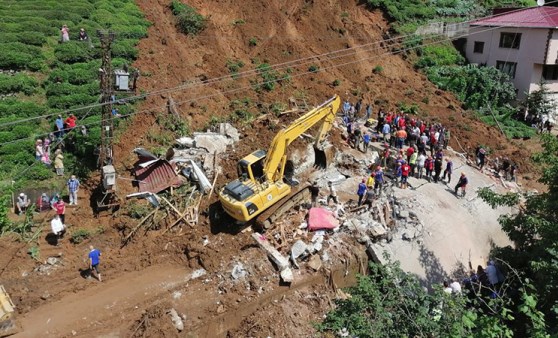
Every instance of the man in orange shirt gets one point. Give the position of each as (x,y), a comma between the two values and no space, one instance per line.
(401,136)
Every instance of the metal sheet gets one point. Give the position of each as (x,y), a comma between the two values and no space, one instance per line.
(157,177)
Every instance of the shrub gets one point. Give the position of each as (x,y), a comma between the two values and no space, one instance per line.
(253,42)
(16,55)
(336,83)
(17,83)
(439,55)
(189,21)
(313,68)
(28,38)
(74,51)
(80,235)
(12,108)
(234,65)
(378,69)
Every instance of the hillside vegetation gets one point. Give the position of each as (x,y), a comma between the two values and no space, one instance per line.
(44,77)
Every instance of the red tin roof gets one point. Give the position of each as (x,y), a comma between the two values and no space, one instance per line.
(157,177)
(534,17)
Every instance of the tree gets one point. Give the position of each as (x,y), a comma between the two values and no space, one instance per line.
(534,231)
(392,303)
(538,103)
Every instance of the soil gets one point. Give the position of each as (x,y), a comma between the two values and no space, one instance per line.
(285,31)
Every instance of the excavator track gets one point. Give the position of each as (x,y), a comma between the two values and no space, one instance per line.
(297,196)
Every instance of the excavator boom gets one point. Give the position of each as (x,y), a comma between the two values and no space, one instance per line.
(262,186)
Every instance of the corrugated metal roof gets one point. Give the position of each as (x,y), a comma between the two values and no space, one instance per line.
(534,17)
(157,177)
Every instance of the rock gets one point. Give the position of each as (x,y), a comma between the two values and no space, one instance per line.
(298,249)
(198,273)
(221,309)
(315,263)
(376,253)
(45,295)
(228,130)
(74,332)
(378,230)
(53,260)
(187,142)
(287,275)
(405,236)
(404,214)
(212,142)
(176,320)
(176,295)
(363,239)
(238,271)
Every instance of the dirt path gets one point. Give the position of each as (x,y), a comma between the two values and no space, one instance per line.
(111,298)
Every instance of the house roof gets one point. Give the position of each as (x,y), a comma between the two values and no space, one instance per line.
(534,17)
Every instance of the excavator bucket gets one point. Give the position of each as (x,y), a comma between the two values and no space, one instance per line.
(8,326)
(323,157)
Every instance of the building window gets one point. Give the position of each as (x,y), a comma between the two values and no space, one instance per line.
(550,72)
(510,40)
(507,67)
(479,47)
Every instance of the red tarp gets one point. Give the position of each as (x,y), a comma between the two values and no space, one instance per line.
(320,218)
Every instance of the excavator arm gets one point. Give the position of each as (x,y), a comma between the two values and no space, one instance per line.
(276,156)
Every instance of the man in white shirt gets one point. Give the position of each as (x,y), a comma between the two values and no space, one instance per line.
(455,287)
(58,228)
(332,193)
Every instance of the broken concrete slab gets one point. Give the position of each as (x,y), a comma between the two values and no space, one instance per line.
(204,183)
(404,214)
(212,142)
(238,271)
(187,142)
(298,249)
(228,130)
(281,261)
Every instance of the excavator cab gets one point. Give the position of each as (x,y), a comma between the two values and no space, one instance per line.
(251,167)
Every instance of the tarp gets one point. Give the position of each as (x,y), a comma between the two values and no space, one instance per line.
(320,218)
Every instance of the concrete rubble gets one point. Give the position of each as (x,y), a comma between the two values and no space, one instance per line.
(176,320)
(281,261)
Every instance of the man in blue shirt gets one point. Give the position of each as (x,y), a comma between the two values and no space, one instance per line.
(361,191)
(94,256)
(73,186)
(59,127)
(346,107)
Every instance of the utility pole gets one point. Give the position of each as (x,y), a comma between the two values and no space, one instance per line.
(109,197)
(105,151)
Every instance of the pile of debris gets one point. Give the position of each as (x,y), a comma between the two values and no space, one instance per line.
(193,159)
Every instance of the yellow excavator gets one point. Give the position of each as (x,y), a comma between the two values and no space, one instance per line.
(8,325)
(264,190)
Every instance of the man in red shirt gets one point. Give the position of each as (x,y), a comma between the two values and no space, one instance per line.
(410,152)
(405,170)
(60,208)
(70,122)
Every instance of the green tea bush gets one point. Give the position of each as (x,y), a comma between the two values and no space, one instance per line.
(189,21)
(14,108)
(61,89)
(125,49)
(16,55)
(70,101)
(75,51)
(17,83)
(28,38)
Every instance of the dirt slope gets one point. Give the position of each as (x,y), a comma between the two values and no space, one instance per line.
(285,31)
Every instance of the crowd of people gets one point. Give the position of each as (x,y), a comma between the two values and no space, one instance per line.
(412,148)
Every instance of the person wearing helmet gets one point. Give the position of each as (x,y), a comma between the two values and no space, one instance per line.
(462,183)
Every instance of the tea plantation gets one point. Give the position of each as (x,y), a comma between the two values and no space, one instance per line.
(41,77)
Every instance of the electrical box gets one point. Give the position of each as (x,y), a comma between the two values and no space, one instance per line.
(109,177)
(122,79)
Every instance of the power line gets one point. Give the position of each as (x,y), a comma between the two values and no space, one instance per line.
(288,64)
(279,79)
